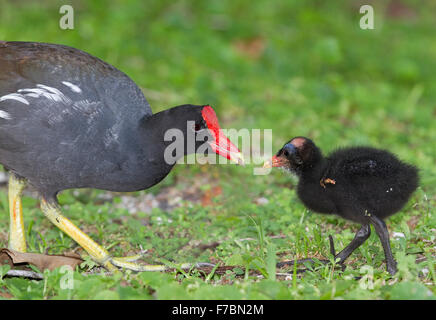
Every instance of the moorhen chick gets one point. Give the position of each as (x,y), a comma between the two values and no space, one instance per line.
(361,184)
(70,120)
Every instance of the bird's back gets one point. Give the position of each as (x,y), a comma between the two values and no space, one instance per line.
(61,108)
(371,180)
(75,73)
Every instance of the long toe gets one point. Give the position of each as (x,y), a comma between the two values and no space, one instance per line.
(126,263)
(133,258)
(204,265)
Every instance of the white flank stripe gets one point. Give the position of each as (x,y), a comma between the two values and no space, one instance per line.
(39,92)
(5,115)
(73,87)
(56,95)
(32,95)
(45,91)
(14,96)
(50,89)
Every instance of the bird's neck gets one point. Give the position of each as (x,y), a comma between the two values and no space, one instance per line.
(311,191)
(314,172)
(167,130)
(147,161)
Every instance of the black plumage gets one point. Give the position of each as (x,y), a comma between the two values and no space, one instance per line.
(98,131)
(70,120)
(361,184)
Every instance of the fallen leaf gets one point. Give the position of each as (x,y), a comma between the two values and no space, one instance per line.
(253,48)
(399,10)
(41,261)
(412,222)
(6,295)
(208,195)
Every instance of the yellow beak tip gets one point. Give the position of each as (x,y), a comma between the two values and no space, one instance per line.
(241,160)
(267,164)
(238,158)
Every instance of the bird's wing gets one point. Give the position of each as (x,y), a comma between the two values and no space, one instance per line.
(364,166)
(357,162)
(46,89)
(41,75)
(361,166)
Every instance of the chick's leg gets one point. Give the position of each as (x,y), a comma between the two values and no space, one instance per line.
(383,233)
(100,255)
(17,239)
(360,237)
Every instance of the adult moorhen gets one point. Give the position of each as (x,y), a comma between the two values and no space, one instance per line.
(361,184)
(70,120)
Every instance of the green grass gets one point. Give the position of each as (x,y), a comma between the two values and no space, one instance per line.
(298,67)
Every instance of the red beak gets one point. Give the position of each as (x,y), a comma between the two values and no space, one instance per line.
(224,147)
(221,144)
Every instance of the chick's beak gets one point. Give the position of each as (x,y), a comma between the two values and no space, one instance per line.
(275,161)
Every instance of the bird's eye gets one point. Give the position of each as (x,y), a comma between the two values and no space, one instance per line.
(286,153)
(198,126)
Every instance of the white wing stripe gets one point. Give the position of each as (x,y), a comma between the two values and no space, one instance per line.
(73,87)
(5,115)
(14,96)
(45,91)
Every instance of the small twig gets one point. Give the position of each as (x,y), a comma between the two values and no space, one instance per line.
(301,261)
(25,274)
(422,259)
(282,274)
(270,237)
(287,276)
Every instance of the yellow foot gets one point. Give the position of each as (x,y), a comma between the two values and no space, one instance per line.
(128,263)
(97,252)
(17,239)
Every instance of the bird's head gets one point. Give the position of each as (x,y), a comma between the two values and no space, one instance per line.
(200,128)
(296,155)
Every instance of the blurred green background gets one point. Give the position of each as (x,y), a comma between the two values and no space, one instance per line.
(297,67)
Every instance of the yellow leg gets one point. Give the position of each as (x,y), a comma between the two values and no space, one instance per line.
(97,252)
(17,239)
